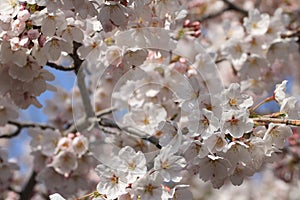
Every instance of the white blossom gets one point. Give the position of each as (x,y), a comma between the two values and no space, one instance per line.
(236,123)
(134,163)
(256,23)
(215,169)
(64,162)
(148,187)
(232,98)
(112,182)
(280,91)
(276,135)
(80,145)
(169,165)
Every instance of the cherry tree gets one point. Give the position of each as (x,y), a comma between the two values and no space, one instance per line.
(171,99)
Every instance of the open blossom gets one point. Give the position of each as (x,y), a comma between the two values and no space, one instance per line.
(113,55)
(17,56)
(49,21)
(290,107)
(54,46)
(276,135)
(146,118)
(256,23)
(112,182)
(169,165)
(215,169)
(280,91)
(23,15)
(205,123)
(72,32)
(64,162)
(18,26)
(236,123)
(9,7)
(232,98)
(240,172)
(134,163)
(49,141)
(112,14)
(91,48)
(80,145)
(64,144)
(148,187)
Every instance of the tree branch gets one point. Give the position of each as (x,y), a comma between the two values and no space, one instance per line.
(230,6)
(58,67)
(80,123)
(27,191)
(21,125)
(76,60)
(266,120)
(85,96)
(105,122)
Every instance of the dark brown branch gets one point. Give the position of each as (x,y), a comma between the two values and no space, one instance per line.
(295,33)
(230,6)
(58,67)
(213,15)
(21,125)
(76,60)
(27,191)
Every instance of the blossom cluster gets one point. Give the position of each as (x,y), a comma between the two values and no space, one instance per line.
(60,160)
(183,94)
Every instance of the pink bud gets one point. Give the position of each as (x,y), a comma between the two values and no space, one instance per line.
(42,40)
(197,34)
(71,135)
(196,24)
(33,34)
(186,23)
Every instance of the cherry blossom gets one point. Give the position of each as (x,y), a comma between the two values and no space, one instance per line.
(148,187)
(256,23)
(168,95)
(236,123)
(112,183)
(169,165)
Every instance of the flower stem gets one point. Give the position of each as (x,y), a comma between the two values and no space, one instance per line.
(271,98)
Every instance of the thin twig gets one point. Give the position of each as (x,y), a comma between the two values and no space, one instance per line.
(213,15)
(290,34)
(81,123)
(265,120)
(21,125)
(58,67)
(105,122)
(268,99)
(105,112)
(230,6)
